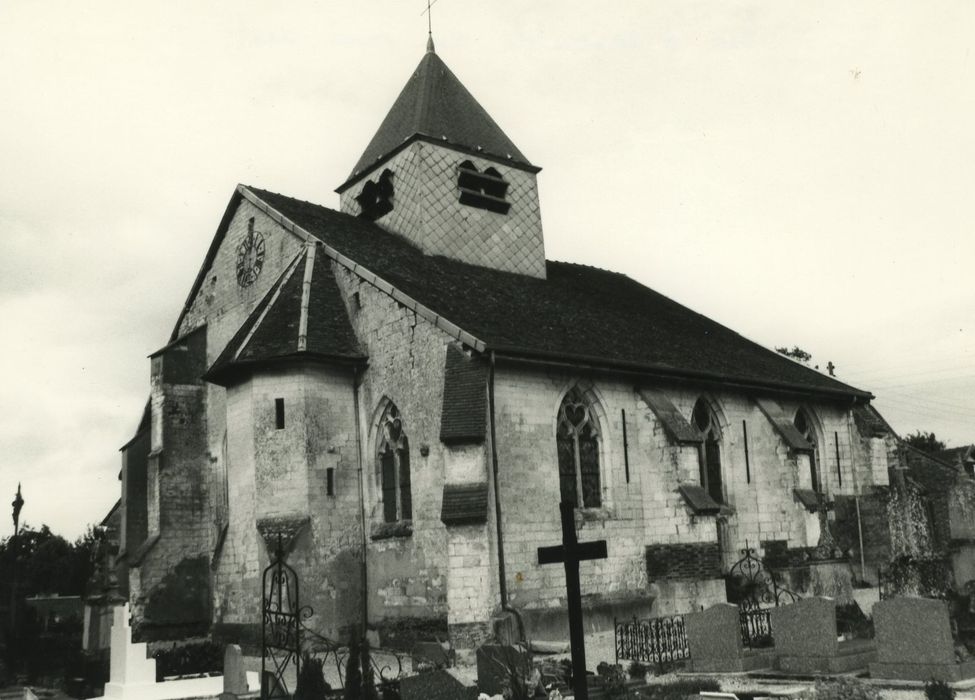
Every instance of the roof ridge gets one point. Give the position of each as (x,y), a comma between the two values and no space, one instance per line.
(305,298)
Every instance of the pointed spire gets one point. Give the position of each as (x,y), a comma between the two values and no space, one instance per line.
(430,48)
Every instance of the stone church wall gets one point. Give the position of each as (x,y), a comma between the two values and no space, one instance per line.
(645,519)
(427,211)
(169,584)
(407,563)
(280,475)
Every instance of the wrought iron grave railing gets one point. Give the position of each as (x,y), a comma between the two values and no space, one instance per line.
(658,640)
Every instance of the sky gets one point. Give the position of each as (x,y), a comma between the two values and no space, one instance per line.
(800,172)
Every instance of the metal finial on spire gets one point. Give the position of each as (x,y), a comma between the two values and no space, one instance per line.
(429,14)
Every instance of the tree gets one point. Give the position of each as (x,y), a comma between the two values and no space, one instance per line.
(925,441)
(796,353)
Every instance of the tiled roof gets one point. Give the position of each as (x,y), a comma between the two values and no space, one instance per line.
(464,504)
(435,104)
(463,417)
(579,313)
(957,455)
(273,331)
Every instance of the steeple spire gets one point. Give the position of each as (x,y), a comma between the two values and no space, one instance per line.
(430,48)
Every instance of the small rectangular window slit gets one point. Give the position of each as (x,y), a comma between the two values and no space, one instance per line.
(279,413)
(330,481)
(839,470)
(748,466)
(626,447)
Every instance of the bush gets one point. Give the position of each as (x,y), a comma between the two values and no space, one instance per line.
(938,690)
(679,689)
(637,670)
(188,659)
(311,681)
(845,688)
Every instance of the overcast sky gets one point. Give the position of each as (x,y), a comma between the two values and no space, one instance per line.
(799,171)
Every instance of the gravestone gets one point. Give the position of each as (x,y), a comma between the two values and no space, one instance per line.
(806,628)
(914,641)
(495,665)
(234,674)
(430,654)
(714,639)
(806,639)
(439,684)
(129,665)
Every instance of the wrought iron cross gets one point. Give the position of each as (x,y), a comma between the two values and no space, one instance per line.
(570,553)
(429,14)
(17,504)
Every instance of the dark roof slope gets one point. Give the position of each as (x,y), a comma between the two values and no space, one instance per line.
(435,104)
(273,330)
(578,313)
(464,412)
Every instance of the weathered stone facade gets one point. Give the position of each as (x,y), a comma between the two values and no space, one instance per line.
(264,432)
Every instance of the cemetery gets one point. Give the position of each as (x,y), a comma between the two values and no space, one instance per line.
(772,642)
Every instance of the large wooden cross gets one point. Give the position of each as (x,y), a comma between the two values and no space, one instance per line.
(570,553)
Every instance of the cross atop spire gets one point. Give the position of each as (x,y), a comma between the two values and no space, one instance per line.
(429,14)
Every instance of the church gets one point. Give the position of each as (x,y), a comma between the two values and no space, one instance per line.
(396,395)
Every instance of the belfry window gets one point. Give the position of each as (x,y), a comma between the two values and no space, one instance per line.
(376,198)
(804,426)
(709,459)
(577,439)
(484,190)
(394,467)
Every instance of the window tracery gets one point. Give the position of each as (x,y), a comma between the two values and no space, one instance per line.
(709,456)
(394,467)
(804,425)
(577,440)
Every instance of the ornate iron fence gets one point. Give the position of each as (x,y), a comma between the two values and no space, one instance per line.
(385,667)
(756,627)
(658,640)
(280,628)
(759,590)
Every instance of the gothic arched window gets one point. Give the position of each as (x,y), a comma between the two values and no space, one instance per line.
(709,459)
(394,467)
(577,438)
(804,426)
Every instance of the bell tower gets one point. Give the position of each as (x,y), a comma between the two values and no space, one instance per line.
(441,173)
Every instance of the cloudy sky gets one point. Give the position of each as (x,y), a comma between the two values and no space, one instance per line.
(800,171)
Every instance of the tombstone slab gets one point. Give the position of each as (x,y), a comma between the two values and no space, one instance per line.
(806,639)
(914,641)
(234,673)
(714,639)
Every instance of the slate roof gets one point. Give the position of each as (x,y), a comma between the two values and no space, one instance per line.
(435,104)
(464,414)
(464,504)
(579,313)
(273,331)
